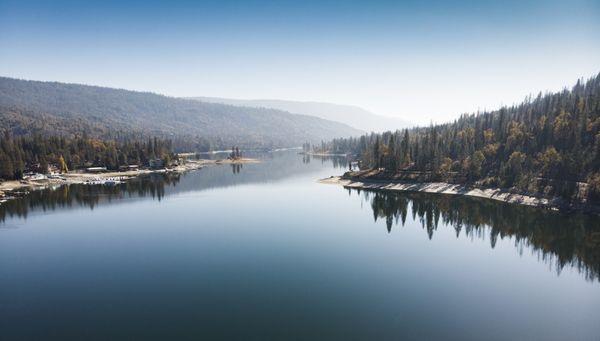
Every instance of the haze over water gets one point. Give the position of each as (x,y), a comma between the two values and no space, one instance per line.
(263,251)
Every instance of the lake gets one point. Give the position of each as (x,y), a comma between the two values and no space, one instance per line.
(263,251)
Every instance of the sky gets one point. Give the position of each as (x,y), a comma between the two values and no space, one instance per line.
(423,61)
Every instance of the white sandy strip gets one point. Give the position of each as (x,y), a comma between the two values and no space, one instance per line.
(443,188)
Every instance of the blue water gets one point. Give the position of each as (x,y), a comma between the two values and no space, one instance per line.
(266,252)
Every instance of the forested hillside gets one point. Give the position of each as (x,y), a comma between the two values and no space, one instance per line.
(548,144)
(50,108)
(36,153)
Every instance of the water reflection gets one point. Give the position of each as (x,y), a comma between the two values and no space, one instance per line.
(236,168)
(560,240)
(65,197)
(338,162)
(274,167)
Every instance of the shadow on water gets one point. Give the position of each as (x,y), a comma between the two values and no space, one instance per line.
(560,240)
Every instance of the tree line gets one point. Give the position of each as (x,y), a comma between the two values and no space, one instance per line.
(37,152)
(548,143)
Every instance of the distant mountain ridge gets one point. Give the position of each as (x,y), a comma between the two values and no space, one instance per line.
(353,116)
(71,109)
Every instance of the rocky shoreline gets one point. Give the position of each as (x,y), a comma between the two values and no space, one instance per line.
(554,203)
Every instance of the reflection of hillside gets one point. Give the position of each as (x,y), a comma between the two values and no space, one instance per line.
(559,239)
(275,166)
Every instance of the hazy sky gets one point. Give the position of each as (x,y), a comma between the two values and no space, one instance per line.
(418,60)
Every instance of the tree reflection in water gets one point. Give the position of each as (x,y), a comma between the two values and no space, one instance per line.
(336,160)
(236,168)
(70,196)
(558,239)
(274,167)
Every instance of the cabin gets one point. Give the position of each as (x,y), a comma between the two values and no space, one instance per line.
(126,168)
(95,169)
(34,176)
(37,168)
(53,169)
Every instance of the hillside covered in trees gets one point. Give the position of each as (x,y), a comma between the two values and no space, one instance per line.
(36,153)
(50,108)
(549,145)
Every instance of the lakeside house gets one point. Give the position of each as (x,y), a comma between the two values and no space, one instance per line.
(126,168)
(34,176)
(38,168)
(95,169)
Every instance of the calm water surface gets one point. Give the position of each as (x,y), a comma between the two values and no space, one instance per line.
(262,251)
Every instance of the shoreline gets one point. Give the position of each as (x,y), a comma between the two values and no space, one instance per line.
(497,194)
(323,154)
(13,189)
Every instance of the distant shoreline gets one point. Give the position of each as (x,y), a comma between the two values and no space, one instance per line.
(554,203)
(322,154)
(17,188)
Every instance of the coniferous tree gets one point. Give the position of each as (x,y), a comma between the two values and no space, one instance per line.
(551,142)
